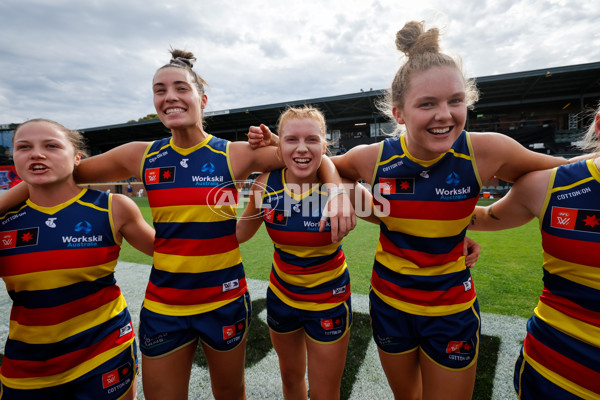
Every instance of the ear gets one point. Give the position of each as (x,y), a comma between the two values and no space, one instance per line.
(203,101)
(77,159)
(597,125)
(398,115)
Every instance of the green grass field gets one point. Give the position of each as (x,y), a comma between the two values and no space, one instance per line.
(507,277)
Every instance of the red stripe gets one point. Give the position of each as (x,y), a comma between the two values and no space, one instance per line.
(420,258)
(455,295)
(196,247)
(57,260)
(31,369)
(429,210)
(320,298)
(571,250)
(565,367)
(187,297)
(200,195)
(58,314)
(299,270)
(308,239)
(570,308)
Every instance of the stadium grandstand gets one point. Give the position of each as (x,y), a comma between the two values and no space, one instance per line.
(543,109)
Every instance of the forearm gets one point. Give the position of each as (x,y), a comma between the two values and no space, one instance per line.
(14,196)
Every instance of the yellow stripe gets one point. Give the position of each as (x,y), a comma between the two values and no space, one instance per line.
(64,330)
(310,280)
(54,209)
(43,280)
(579,273)
(573,327)
(431,311)
(303,251)
(110,219)
(148,155)
(560,380)
(571,186)
(406,267)
(547,198)
(593,169)
(473,161)
(179,311)
(196,213)
(197,264)
(66,376)
(303,305)
(426,228)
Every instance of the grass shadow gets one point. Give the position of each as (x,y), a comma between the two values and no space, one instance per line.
(489,347)
(360,337)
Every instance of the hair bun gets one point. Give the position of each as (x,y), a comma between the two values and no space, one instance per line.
(412,39)
(183,58)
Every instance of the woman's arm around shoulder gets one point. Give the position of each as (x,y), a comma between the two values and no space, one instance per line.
(13,196)
(522,203)
(116,164)
(502,156)
(358,163)
(130,223)
(251,219)
(245,160)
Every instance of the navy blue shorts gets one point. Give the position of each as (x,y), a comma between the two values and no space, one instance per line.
(451,341)
(110,381)
(321,326)
(221,329)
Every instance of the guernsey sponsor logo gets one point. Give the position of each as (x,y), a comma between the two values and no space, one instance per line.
(575,219)
(153,176)
(82,241)
(208,180)
(574,193)
(19,238)
(231,285)
(397,185)
(13,217)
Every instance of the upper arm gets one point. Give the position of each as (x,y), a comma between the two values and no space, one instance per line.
(131,225)
(362,201)
(522,203)
(244,160)
(251,219)
(502,156)
(358,163)
(116,164)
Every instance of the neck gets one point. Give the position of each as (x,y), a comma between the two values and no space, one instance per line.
(188,137)
(299,185)
(53,195)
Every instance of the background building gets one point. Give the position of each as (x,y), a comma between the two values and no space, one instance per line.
(543,109)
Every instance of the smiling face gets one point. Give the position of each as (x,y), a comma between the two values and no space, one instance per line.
(434,111)
(302,147)
(177,100)
(43,154)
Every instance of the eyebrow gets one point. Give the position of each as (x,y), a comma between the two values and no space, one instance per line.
(175,83)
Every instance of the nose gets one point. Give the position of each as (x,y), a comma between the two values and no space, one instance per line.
(37,154)
(443,112)
(301,146)
(171,95)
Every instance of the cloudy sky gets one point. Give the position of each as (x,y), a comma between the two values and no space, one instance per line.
(90,63)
